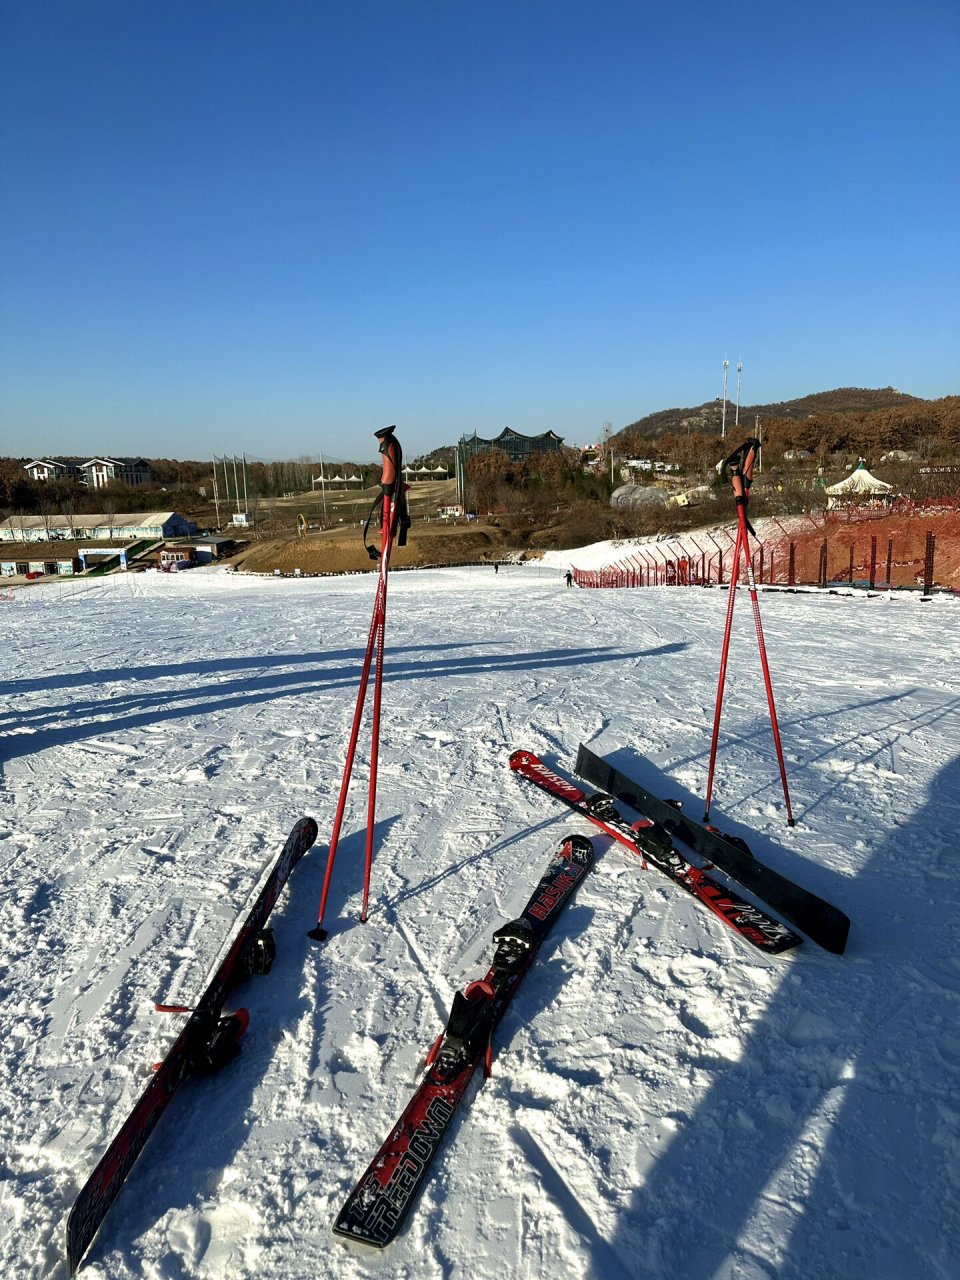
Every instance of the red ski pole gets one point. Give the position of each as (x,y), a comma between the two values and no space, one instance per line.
(721,682)
(755,601)
(739,468)
(394,521)
(377,690)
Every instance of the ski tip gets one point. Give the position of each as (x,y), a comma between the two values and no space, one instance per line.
(318,934)
(518,759)
(307,830)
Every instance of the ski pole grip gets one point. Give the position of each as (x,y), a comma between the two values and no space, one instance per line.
(740,462)
(390,449)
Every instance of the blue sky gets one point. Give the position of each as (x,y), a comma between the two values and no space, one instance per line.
(277,225)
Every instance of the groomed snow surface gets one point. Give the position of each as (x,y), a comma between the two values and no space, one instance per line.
(666,1102)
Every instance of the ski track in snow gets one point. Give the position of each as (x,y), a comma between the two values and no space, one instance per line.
(665,1103)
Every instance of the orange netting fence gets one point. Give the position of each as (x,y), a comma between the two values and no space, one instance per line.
(903,548)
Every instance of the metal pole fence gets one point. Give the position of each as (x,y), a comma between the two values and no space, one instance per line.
(928,556)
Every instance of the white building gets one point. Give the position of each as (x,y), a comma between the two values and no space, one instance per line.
(44,469)
(101,471)
(119,528)
(94,472)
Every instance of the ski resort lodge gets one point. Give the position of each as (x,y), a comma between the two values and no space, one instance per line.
(517,447)
(512,443)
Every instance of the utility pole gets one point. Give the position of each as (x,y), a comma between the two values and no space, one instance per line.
(606,434)
(216,496)
(739,373)
(760,438)
(723,421)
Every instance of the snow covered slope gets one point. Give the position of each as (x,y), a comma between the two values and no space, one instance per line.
(666,1102)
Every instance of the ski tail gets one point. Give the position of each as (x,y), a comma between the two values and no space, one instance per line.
(103,1186)
(654,845)
(377,1208)
(820,920)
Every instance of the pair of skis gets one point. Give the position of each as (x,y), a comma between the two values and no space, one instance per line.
(652,838)
(209,1040)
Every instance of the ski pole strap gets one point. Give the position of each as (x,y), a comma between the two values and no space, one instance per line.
(738,468)
(372,552)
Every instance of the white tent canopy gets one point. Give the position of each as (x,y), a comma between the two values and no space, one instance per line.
(859,482)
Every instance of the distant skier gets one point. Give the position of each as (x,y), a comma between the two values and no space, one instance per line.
(569,577)
(496,566)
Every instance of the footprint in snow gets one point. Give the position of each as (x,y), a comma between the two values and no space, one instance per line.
(810,1028)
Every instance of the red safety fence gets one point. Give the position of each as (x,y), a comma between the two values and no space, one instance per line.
(824,552)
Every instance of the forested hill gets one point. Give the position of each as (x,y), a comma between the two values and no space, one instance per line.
(707,417)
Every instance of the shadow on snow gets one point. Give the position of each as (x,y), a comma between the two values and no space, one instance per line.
(836,1129)
(45,727)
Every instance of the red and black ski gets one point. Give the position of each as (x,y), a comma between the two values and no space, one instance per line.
(653,843)
(820,920)
(378,1206)
(209,1040)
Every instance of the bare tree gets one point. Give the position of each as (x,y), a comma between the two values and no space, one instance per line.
(45,511)
(109,508)
(68,508)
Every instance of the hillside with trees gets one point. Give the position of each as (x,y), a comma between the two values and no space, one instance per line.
(928,429)
(708,418)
